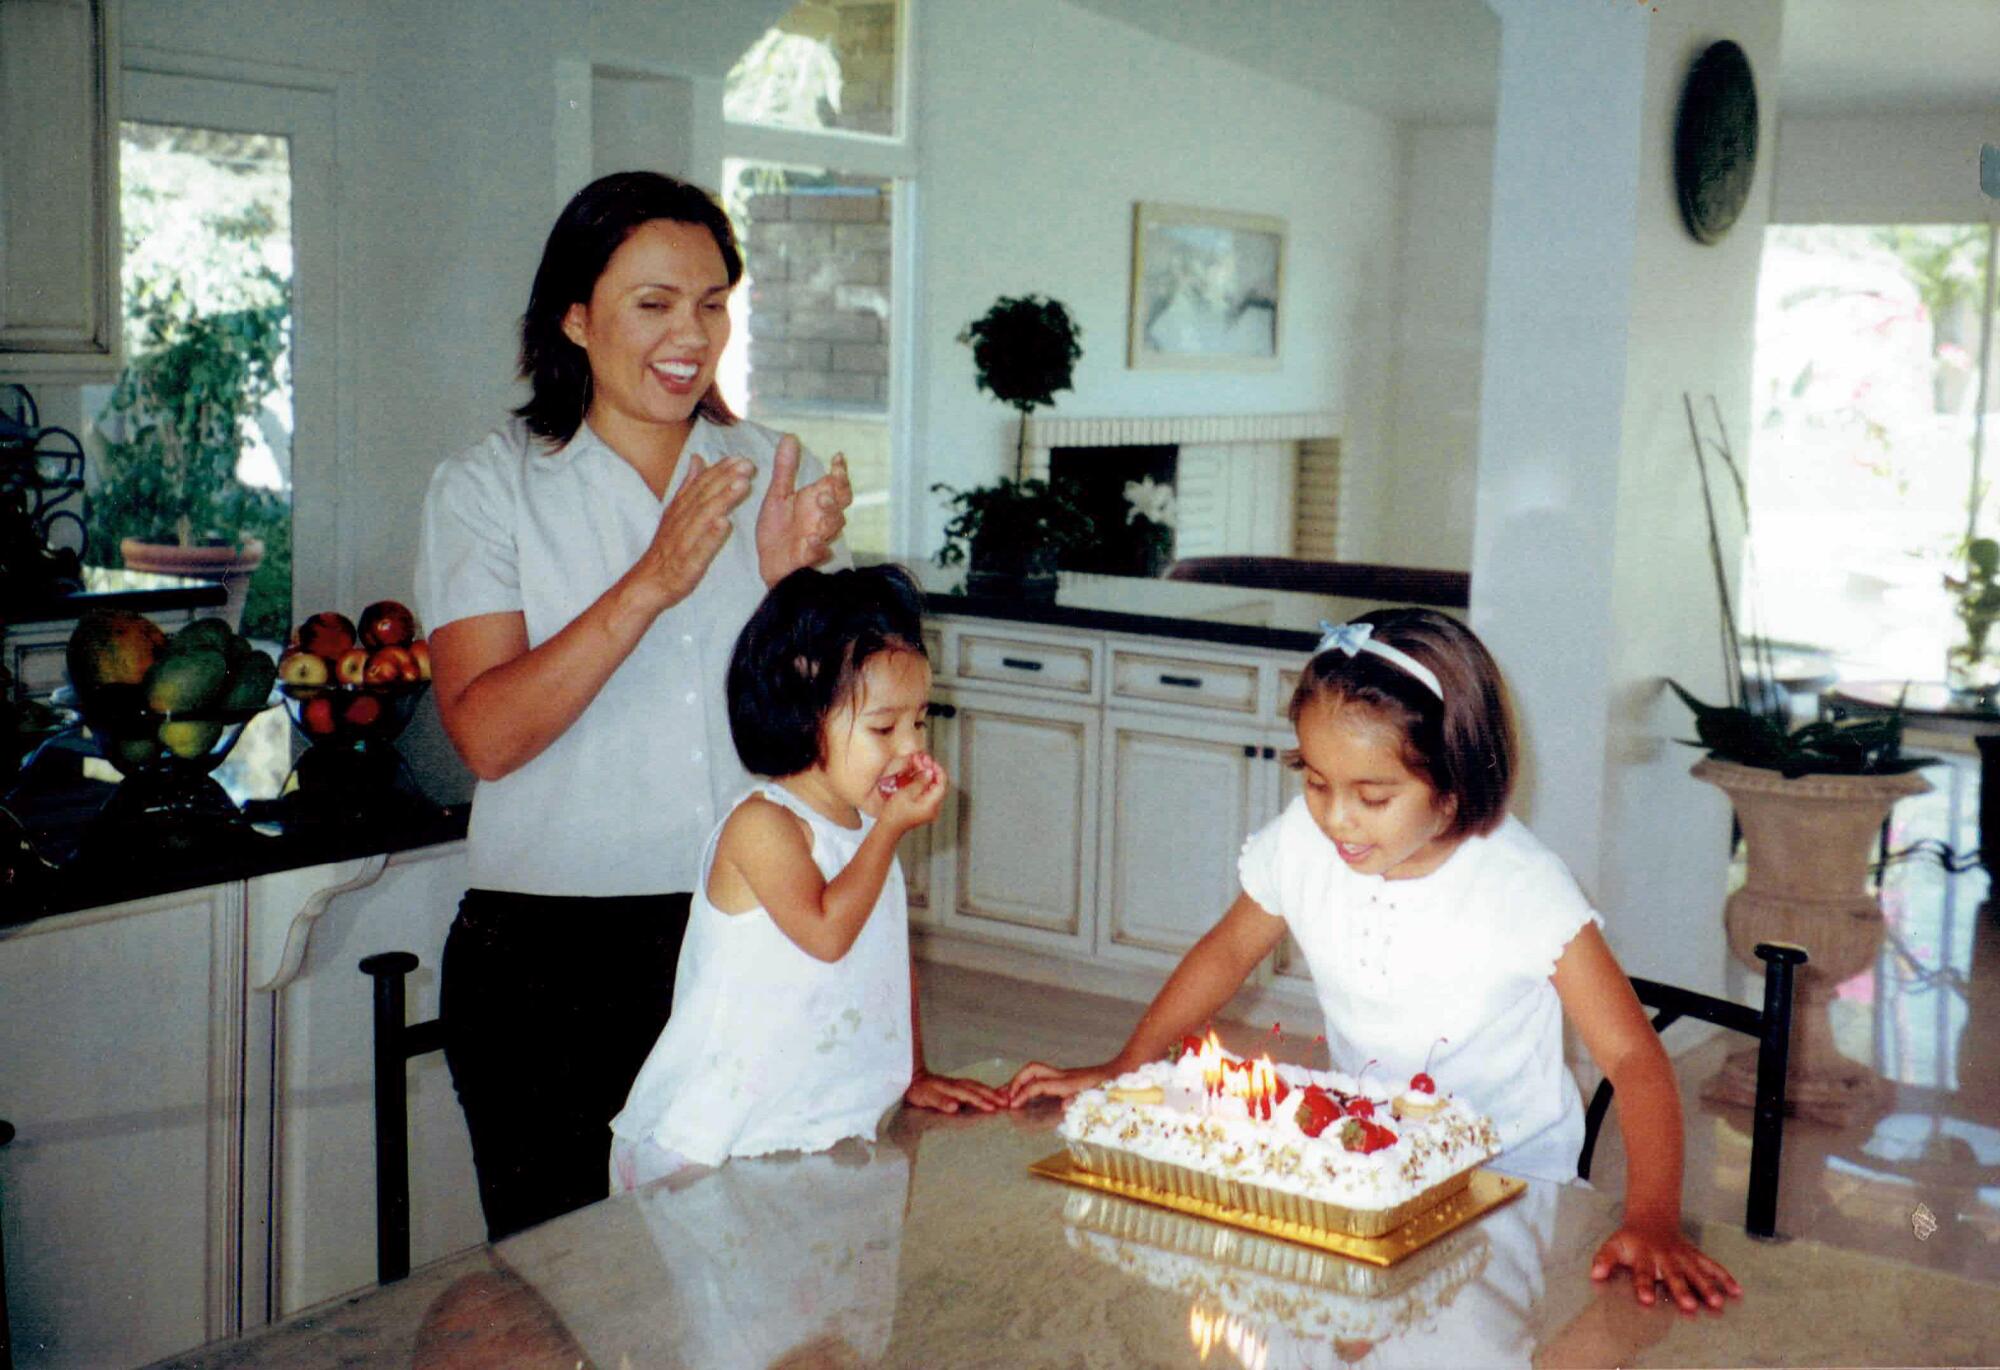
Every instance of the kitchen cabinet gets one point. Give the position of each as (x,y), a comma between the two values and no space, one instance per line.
(190,1075)
(1103,785)
(59,314)
(123,1068)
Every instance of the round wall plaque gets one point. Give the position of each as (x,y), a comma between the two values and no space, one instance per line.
(1715,142)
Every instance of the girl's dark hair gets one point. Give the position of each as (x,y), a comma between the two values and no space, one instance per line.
(800,657)
(1462,745)
(593,225)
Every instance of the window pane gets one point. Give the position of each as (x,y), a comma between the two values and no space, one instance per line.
(1865,404)
(828,64)
(814,307)
(207,242)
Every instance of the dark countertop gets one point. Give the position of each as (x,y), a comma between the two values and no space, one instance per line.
(104,587)
(1270,615)
(80,858)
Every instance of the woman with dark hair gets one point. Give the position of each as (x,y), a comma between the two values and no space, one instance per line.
(584,571)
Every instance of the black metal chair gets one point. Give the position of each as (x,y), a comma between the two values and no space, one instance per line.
(395,1043)
(6,1333)
(1772,1027)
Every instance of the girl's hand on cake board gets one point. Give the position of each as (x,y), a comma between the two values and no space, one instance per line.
(1656,1257)
(950,1093)
(1038,1081)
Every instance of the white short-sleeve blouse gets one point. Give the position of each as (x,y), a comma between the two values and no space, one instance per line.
(621,802)
(1458,960)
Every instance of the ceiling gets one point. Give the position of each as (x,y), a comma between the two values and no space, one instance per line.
(1434,61)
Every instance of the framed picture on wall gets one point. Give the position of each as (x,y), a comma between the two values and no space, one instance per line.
(1206,288)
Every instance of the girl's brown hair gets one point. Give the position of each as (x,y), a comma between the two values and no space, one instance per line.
(1462,746)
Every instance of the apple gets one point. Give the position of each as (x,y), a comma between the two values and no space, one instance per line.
(421,650)
(300,668)
(352,667)
(317,716)
(386,623)
(363,711)
(390,666)
(328,635)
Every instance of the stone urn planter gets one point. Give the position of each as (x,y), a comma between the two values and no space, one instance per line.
(1808,844)
(231,567)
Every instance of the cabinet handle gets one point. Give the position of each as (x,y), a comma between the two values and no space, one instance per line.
(1249,752)
(1186,682)
(936,710)
(1021,663)
(1270,753)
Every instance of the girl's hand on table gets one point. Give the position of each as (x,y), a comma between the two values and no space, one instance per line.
(694,527)
(950,1093)
(1036,1080)
(799,527)
(1656,1257)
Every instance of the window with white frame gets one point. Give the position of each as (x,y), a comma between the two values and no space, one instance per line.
(818,174)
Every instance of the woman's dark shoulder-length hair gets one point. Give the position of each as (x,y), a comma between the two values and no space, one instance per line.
(1462,745)
(801,655)
(593,225)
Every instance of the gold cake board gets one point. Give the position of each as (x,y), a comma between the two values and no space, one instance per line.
(1485,1192)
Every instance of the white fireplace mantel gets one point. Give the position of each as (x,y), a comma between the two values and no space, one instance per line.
(1247,483)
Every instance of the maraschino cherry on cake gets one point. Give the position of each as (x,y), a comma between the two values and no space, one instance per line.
(1322,1148)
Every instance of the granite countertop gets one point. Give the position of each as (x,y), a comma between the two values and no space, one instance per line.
(116,588)
(84,859)
(937,1248)
(1236,615)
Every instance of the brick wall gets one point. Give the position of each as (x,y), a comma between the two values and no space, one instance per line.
(818,259)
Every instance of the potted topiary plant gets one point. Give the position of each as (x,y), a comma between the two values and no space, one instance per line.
(168,496)
(1809,801)
(1012,535)
(1972,665)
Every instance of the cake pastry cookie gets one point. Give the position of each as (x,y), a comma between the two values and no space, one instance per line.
(1282,1141)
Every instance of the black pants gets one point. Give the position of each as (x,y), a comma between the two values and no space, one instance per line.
(550,1006)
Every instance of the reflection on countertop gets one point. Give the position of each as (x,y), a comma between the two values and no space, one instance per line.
(935,1247)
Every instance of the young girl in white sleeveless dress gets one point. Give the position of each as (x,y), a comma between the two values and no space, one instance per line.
(794,1022)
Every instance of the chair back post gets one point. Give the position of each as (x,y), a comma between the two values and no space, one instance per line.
(6,1332)
(1781,962)
(392,1123)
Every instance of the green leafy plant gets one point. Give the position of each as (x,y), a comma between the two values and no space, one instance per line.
(1976,600)
(174,426)
(1755,729)
(1013,518)
(1024,349)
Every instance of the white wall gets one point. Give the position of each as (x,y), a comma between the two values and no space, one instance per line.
(1427,468)
(1884,169)
(1041,125)
(1590,562)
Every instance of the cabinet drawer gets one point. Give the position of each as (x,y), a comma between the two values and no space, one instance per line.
(1048,665)
(1288,685)
(38,667)
(1173,680)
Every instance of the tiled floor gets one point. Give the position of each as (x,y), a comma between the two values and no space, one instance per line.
(1928,1018)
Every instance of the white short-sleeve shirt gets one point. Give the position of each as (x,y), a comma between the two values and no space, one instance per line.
(1458,960)
(621,802)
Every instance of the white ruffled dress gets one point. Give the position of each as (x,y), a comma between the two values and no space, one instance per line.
(768,1048)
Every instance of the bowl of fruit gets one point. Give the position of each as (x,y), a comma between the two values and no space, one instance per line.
(351,685)
(165,710)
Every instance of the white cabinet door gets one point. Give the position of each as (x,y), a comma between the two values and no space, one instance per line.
(1288,962)
(121,1052)
(1024,820)
(924,850)
(1180,796)
(58,189)
(309,930)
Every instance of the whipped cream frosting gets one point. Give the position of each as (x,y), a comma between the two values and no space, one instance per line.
(1217,1136)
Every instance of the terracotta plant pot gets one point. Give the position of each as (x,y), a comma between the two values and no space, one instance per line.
(1808,845)
(232,567)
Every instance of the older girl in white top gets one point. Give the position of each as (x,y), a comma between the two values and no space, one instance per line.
(794,1025)
(584,572)
(1441,936)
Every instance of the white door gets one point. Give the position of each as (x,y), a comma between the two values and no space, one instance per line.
(160,88)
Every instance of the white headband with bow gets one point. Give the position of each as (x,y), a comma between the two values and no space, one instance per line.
(1355,638)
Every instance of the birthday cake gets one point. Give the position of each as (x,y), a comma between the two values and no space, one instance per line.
(1315,1147)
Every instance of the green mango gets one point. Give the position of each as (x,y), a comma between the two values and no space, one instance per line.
(251,684)
(209,634)
(190,740)
(188,680)
(129,753)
